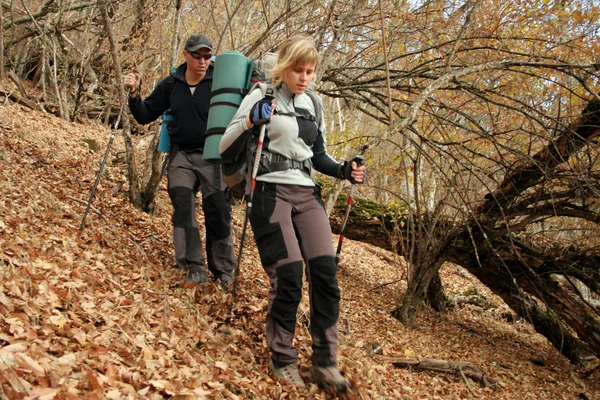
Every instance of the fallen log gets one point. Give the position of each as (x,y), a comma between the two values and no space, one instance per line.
(17,98)
(458,368)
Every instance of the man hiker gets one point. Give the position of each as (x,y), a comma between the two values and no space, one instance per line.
(187,93)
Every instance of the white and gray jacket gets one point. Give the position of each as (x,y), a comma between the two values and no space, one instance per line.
(292,133)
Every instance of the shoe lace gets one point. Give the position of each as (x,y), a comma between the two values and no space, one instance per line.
(291,373)
(331,375)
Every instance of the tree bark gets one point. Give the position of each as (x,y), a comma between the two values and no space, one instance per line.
(500,280)
(436,298)
(132,174)
(417,288)
(515,272)
(1,42)
(156,160)
(505,279)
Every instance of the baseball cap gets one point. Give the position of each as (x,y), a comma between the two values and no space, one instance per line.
(198,41)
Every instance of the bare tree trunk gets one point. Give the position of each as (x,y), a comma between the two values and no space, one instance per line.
(518,264)
(387,65)
(55,83)
(43,72)
(132,175)
(436,298)
(177,23)
(504,279)
(417,288)
(157,160)
(1,42)
(581,132)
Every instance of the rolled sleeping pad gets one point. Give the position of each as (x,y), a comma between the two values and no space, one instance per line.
(164,141)
(230,84)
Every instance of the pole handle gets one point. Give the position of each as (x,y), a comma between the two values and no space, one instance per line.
(360,157)
(358,160)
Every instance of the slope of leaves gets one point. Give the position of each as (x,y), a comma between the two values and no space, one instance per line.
(99,314)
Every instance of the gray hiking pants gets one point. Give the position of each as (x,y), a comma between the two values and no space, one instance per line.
(187,173)
(290,225)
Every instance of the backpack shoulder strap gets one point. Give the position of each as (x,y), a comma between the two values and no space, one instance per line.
(169,84)
(266,88)
(318,105)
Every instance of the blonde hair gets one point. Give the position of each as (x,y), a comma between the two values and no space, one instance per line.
(296,50)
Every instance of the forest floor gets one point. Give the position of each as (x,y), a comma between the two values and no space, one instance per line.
(100,314)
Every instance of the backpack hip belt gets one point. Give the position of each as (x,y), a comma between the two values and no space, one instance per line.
(271,162)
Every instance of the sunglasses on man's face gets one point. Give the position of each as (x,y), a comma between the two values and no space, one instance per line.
(198,56)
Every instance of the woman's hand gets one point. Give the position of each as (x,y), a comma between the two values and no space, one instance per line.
(353,172)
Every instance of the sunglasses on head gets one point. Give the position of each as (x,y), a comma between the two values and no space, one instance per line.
(198,56)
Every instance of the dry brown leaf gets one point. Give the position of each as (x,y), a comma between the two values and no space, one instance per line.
(28,363)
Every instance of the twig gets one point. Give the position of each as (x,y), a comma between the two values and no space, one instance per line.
(126,334)
(142,290)
(385,284)
(466,381)
(391,260)
(91,207)
(129,236)
(375,349)
(464,368)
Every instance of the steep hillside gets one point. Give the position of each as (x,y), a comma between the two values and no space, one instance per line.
(99,314)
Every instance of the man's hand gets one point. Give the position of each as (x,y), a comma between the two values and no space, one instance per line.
(132,83)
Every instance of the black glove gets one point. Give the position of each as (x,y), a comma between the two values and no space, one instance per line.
(261,112)
(346,169)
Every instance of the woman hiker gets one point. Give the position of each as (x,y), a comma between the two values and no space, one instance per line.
(288,218)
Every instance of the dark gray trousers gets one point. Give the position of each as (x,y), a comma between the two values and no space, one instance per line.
(188,173)
(290,226)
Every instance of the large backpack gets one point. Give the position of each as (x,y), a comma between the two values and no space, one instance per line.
(235,173)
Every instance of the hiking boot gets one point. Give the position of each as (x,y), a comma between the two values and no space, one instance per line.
(197,277)
(329,379)
(289,374)
(224,285)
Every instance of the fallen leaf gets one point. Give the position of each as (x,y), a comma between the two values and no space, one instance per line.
(27,362)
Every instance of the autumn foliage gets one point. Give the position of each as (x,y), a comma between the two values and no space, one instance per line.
(99,314)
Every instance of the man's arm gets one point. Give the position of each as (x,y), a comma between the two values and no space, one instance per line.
(149,109)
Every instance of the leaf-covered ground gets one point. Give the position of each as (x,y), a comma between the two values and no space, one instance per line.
(99,314)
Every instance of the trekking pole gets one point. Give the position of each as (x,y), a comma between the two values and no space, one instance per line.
(102,165)
(236,272)
(358,160)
